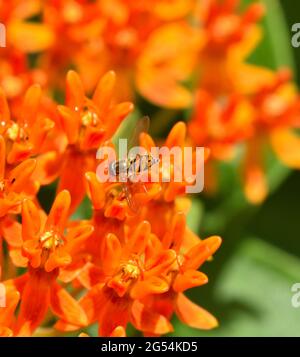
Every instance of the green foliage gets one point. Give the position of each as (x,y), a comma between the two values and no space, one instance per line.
(250,278)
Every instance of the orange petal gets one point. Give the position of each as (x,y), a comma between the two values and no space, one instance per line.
(149,286)
(188,280)
(148,321)
(103,93)
(146,141)
(255,186)
(161,263)
(83,334)
(4,108)
(177,135)
(76,236)
(5,332)
(20,35)
(66,307)
(18,258)
(11,230)
(32,251)
(48,166)
(110,253)
(75,165)
(92,139)
(286,145)
(75,91)
(175,235)
(31,104)
(165,93)
(197,255)
(2,157)
(58,259)
(31,221)
(114,314)
(70,122)
(118,332)
(255,182)
(59,212)
(136,244)
(39,131)
(96,190)
(193,315)
(20,175)
(35,302)
(115,116)
(94,302)
(19,152)
(91,275)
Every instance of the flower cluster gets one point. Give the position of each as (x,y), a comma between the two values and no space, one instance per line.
(123,263)
(122,266)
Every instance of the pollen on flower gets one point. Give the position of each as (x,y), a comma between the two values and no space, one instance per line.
(13,131)
(130,271)
(89,118)
(51,240)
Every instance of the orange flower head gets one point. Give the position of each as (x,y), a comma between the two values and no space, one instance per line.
(191,253)
(45,243)
(15,183)
(24,135)
(224,26)
(130,270)
(221,124)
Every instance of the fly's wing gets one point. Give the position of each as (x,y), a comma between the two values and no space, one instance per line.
(130,199)
(142,126)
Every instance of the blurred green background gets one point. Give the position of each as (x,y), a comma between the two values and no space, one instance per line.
(252,274)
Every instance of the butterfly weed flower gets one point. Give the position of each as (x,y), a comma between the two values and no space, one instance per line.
(87,123)
(25,134)
(128,269)
(191,253)
(47,248)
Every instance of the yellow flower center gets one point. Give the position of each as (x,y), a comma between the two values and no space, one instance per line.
(15,132)
(50,240)
(130,271)
(89,118)
(123,280)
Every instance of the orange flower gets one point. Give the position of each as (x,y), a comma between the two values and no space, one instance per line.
(129,269)
(185,275)
(47,249)
(15,72)
(16,184)
(230,38)
(121,35)
(221,124)
(87,124)
(25,135)
(276,112)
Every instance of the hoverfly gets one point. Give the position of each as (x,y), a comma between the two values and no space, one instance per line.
(127,170)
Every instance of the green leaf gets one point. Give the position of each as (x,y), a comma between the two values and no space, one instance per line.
(275,49)
(253,294)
